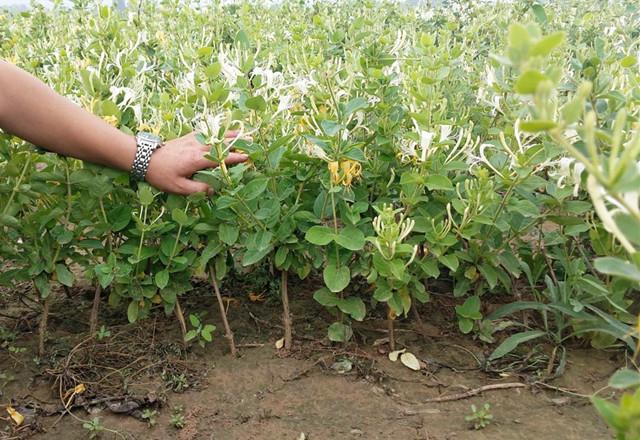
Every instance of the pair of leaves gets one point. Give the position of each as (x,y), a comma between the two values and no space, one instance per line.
(352,306)
(350,237)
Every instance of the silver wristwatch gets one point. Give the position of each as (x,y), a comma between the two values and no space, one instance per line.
(146,144)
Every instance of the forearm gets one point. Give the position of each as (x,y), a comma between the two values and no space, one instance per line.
(31,110)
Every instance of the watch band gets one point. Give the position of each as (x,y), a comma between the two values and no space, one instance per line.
(146,144)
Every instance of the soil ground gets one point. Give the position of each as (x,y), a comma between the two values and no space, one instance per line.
(317,391)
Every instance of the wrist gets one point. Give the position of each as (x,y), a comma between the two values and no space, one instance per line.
(124,153)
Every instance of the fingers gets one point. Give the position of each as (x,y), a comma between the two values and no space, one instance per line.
(232,134)
(235,158)
(188,186)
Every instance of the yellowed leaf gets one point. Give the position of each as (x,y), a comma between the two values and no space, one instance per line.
(280,343)
(15,415)
(393,356)
(410,361)
(257,297)
(79,389)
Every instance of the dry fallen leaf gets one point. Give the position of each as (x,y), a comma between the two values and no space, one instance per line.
(279,343)
(257,297)
(15,415)
(410,361)
(393,356)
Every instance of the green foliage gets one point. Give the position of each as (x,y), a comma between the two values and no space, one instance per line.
(401,147)
(480,418)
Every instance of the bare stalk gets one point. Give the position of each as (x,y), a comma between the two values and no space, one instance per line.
(223,313)
(42,328)
(286,313)
(93,319)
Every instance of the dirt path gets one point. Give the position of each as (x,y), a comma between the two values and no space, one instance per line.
(264,395)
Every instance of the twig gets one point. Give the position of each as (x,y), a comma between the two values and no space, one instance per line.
(476,391)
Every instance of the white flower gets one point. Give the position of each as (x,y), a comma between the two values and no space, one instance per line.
(304,84)
(271,79)
(286,102)
(607,216)
(445,131)
(230,71)
(490,79)
(313,150)
(426,137)
(569,172)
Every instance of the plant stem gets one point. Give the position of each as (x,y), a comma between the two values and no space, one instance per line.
(93,319)
(223,313)
(286,313)
(15,187)
(42,327)
(183,323)
(391,329)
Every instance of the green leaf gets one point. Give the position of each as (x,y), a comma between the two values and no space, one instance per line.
(180,217)
(331,128)
(354,105)
(64,275)
(351,238)
(253,255)
(354,307)
(191,334)
(538,11)
(489,274)
(228,233)
(547,44)
(336,278)
(438,182)
(43,285)
(7,220)
(132,311)
(470,308)
(162,279)
(519,37)
(254,188)
(536,125)
(512,342)
(213,70)
(625,378)
(281,256)
(194,320)
(339,332)
(628,61)
(145,195)
(617,267)
(465,325)
(451,261)
(528,82)
(326,297)
(256,103)
(607,410)
(119,217)
(320,235)
(206,332)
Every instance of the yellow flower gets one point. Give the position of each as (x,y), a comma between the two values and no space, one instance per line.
(111,120)
(333,172)
(146,127)
(344,172)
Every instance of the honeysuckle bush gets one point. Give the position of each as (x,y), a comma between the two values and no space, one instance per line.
(388,145)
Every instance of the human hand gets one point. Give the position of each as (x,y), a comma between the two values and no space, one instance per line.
(172,166)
